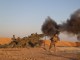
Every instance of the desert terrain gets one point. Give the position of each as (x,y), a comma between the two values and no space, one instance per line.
(65,51)
(62,53)
(5,40)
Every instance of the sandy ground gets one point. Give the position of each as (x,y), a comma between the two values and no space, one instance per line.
(62,53)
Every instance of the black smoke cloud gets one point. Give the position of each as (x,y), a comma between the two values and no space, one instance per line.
(72,25)
(49,27)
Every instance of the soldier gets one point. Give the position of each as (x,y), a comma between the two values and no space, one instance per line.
(54,40)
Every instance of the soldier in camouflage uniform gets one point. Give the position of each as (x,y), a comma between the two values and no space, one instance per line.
(54,40)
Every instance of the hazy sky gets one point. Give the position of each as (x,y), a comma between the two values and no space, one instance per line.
(23,17)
